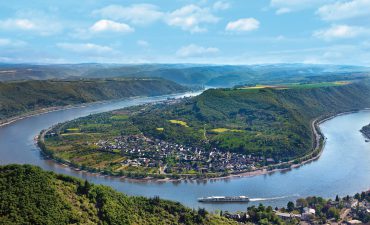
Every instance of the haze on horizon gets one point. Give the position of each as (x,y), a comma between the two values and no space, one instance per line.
(186,31)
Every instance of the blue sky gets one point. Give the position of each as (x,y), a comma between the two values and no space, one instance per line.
(185,31)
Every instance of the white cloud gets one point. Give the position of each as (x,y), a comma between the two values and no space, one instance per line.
(195,50)
(245,24)
(109,25)
(85,48)
(344,10)
(221,5)
(287,6)
(23,24)
(37,23)
(142,43)
(136,14)
(340,32)
(191,18)
(5,42)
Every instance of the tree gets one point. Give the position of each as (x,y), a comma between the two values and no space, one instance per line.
(337,198)
(85,188)
(202,212)
(290,206)
(301,203)
(333,213)
(357,196)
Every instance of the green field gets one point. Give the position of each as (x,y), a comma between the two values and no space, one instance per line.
(297,85)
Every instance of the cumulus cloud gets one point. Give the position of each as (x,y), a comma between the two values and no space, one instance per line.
(135,14)
(191,18)
(195,50)
(35,21)
(287,6)
(221,5)
(344,10)
(340,32)
(23,24)
(245,24)
(109,25)
(85,48)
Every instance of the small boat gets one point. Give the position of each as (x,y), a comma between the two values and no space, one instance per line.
(224,199)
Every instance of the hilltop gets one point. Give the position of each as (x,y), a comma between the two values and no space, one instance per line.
(189,74)
(218,132)
(18,97)
(30,195)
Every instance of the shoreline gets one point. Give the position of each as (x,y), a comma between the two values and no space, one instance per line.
(44,110)
(318,144)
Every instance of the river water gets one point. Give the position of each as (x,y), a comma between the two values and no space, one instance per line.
(343,168)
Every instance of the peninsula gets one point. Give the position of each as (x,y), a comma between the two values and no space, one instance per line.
(218,133)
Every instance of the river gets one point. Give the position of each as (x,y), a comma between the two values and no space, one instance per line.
(343,168)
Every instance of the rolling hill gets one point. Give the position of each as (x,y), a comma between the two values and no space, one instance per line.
(19,97)
(190,74)
(30,195)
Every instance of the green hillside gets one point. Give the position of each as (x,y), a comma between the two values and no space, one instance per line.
(29,195)
(217,132)
(24,96)
(266,121)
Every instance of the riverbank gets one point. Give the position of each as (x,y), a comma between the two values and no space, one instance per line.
(318,145)
(41,111)
(45,110)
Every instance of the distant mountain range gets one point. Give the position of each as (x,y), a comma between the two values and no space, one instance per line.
(190,74)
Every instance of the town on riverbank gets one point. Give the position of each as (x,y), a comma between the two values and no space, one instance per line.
(311,210)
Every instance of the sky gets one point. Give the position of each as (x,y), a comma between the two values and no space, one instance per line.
(185,31)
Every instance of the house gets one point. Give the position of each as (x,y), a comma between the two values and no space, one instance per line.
(309,210)
(354,222)
(287,215)
(308,214)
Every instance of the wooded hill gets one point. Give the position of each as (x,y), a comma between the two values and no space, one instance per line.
(271,122)
(24,96)
(29,195)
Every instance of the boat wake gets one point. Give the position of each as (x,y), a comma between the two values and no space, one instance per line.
(273,198)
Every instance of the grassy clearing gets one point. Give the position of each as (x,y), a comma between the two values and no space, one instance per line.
(71,134)
(223,130)
(73,130)
(319,85)
(119,117)
(297,85)
(260,87)
(179,122)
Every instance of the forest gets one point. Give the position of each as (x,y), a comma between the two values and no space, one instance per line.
(29,195)
(18,97)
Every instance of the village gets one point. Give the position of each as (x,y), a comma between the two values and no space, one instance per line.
(315,210)
(172,158)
